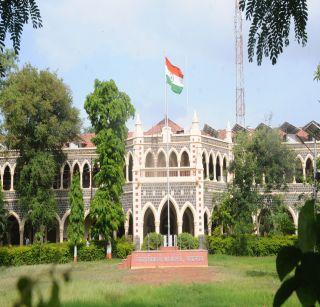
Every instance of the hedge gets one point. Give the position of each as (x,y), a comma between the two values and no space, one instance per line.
(187,241)
(249,245)
(59,253)
(152,241)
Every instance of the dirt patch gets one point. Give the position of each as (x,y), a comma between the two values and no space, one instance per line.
(160,276)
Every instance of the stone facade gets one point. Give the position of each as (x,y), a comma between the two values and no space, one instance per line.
(197,170)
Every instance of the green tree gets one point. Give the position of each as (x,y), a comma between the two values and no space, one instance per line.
(8,60)
(76,218)
(38,118)
(108,110)
(14,15)
(3,216)
(256,156)
(271,22)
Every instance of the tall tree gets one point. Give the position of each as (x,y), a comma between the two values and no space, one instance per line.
(76,218)
(3,216)
(14,15)
(271,22)
(108,109)
(261,163)
(38,119)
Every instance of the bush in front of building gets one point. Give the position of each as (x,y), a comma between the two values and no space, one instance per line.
(152,241)
(187,241)
(123,248)
(248,245)
(34,254)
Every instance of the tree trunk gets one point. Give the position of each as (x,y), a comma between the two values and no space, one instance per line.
(75,254)
(109,251)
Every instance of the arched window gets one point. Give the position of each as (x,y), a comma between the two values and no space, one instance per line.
(185,162)
(211,172)
(66,177)
(86,176)
(218,169)
(173,160)
(298,171)
(57,179)
(149,160)
(188,221)
(130,167)
(7,178)
(161,161)
(224,169)
(204,165)
(76,169)
(309,169)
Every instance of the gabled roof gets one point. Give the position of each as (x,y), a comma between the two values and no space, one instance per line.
(208,130)
(262,125)
(157,129)
(237,128)
(288,128)
(86,139)
(313,128)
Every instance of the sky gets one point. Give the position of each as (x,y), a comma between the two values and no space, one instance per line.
(126,40)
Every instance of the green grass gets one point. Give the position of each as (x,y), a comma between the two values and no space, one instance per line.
(240,281)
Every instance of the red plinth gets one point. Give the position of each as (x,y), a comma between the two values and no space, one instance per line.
(166,257)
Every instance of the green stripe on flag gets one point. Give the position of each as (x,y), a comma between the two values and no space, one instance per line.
(175,88)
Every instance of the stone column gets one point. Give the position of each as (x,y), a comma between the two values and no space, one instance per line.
(61,233)
(179,227)
(214,172)
(21,231)
(11,183)
(157,224)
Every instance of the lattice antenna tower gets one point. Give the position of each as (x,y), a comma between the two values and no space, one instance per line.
(240,105)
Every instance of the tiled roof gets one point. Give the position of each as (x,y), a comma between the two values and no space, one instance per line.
(86,139)
(157,129)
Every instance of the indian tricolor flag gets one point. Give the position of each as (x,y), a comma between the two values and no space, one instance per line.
(174,77)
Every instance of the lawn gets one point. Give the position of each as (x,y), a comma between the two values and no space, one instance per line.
(237,281)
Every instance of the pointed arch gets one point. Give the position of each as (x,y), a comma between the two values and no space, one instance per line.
(188,214)
(309,167)
(86,175)
(149,219)
(184,159)
(75,168)
(7,177)
(204,157)
(211,165)
(206,221)
(298,169)
(224,168)
(66,176)
(218,167)
(149,159)
(161,159)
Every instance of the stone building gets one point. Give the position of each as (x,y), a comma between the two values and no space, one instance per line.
(198,161)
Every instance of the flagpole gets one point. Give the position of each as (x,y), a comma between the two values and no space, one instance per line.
(167,143)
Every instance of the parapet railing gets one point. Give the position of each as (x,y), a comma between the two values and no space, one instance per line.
(162,172)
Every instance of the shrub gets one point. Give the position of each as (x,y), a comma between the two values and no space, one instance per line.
(152,241)
(123,249)
(248,245)
(187,241)
(90,253)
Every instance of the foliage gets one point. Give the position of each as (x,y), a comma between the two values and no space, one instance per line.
(270,26)
(76,218)
(152,241)
(123,248)
(3,215)
(27,287)
(38,120)
(8,60)
(304,260)
(91,253)
(187,241)
(256,156)
(317,74)
(108,110)
(14,15)
(248,245)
